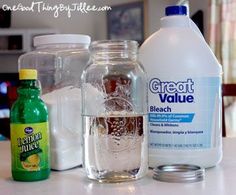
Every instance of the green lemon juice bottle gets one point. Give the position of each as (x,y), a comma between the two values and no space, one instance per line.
(29,131)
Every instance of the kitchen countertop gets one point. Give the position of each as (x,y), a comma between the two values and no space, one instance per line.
(218,180)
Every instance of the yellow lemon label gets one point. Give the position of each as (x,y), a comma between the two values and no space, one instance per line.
(30,146)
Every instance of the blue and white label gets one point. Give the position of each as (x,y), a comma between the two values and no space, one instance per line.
(172,92)
(183,112)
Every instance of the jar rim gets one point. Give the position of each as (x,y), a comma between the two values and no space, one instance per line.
(114,45)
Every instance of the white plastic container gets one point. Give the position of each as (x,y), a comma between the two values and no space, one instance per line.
(60,60)
(184,94)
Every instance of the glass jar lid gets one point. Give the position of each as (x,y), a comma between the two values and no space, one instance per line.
(179,173)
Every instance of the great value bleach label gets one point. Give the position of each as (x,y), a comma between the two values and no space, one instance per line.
(182,111)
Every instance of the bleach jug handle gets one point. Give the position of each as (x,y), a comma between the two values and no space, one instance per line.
(195,28)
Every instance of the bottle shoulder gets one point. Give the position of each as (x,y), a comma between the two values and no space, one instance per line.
(30,102)
(178,50)
(99,70)
(29,111)
(173,39)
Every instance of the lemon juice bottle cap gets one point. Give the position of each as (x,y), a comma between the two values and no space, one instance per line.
(28,74)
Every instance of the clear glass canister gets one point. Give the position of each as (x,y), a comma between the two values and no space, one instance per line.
(60,60)
(114,112)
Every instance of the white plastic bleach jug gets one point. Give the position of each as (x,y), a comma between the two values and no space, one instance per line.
(184,94)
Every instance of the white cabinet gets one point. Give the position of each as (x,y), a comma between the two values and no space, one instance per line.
(17,41)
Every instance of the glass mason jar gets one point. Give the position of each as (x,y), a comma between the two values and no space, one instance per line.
(114,113)
(60,60)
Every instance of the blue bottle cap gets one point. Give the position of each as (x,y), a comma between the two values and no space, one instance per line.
(176,10)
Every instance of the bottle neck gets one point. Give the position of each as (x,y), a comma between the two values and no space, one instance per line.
(28,89)
(175,21)
(114,51)
(113,56)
